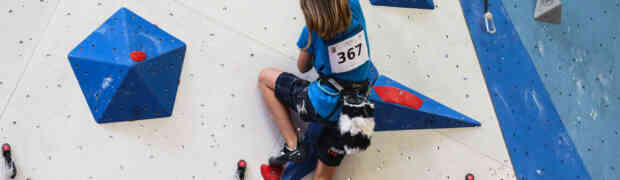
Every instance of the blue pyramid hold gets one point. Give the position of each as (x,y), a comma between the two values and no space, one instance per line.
(128,69)
(428,113)
(421,4)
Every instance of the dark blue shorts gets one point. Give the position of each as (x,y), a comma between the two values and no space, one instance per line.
(292,91)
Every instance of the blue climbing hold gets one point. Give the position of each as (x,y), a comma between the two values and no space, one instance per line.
(398,107)
(421,4)
(128,69)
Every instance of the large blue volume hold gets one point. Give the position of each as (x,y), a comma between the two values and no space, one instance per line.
(421,4)
(535,136)
(128,69)
(431,115)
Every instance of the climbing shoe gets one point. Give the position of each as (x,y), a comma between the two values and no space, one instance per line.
(287,155)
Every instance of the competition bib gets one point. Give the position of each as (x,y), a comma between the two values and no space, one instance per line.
(348,54)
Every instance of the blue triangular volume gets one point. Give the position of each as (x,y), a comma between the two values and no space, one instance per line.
(421,4)
(430,115)
(119,88)
(99,81)
(162,73)
(134,100)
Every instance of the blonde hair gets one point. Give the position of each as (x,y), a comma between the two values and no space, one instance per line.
(328,18)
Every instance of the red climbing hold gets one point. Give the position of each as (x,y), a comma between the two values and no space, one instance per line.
(137,56)
(469,177)
(271,172)
(398,96)
(241,166)
(6,147)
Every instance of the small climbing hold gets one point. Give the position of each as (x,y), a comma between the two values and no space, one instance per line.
(398,96)
(137,56)
(241,166)
(549,11)
(469,176)
(6,147)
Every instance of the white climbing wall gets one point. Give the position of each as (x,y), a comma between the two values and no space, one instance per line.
(219,116)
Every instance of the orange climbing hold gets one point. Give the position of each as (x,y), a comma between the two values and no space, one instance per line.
(398,96)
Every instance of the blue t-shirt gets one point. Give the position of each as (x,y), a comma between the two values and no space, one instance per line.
(324,103)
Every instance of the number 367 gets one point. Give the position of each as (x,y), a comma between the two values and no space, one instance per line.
(350,54)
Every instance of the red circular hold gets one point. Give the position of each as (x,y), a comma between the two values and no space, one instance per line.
(137,56)
(6,147)
(398,96)
(242,163)
(469,177)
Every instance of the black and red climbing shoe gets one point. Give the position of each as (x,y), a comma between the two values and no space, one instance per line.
(8,164)
(286,155)
(241,166)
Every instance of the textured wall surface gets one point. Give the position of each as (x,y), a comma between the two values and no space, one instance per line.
(219,116)
(579,62)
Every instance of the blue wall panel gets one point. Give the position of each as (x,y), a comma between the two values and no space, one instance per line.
(536,138)
(579,64)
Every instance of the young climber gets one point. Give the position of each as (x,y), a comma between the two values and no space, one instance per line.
(334,43)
